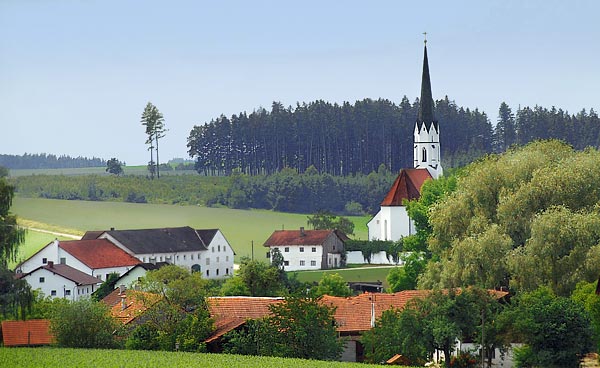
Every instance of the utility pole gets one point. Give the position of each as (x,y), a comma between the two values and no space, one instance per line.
(252,242)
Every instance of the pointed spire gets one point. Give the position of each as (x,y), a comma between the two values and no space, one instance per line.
(426,101)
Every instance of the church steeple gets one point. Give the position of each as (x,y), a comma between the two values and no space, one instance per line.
(427,132)
(426,101)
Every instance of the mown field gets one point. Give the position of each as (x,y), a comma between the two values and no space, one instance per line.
(78,358)
(240,227)
(127,170)
(371,274)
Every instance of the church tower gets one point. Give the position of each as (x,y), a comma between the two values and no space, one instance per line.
(427,131)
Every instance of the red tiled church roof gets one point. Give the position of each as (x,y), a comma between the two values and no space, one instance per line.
(406,186)
(301,237)
(98,253)
(26,333)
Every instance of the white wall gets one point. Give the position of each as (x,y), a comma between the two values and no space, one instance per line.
(294,256)
(59,284)
(356,257)
(390,223)
(50,252)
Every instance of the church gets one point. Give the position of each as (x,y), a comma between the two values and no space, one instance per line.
(392,221)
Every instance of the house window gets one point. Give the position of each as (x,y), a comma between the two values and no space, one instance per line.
(67,292)
(334,247)
(108,274)
(286,249)
(63,260)
(213,249)
(192,257)
(198,255)
(208,261)
(53,293)
(218,248)
(160,258)
(224,248)
(44,260)
(424,155)
(313,263)
(226,258)
(301,249)
(227,271)
(217,272)
(184,257)
(207,273)
(268,254)
(42,280)
(286,263)
(302,262)
(217,259)
(144,259)
(314,249)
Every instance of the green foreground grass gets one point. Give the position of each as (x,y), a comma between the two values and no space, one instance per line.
(77,358)
(240,227)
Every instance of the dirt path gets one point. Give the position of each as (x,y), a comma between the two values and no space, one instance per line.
(70,236)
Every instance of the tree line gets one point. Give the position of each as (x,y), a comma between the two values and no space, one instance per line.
(356,138)
(48,161)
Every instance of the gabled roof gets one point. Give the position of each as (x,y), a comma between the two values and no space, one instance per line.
(144,241)
(126,306)
(230,312)
(69,273)
(302,237)
(207,235)
(27,333)
(406,186)
(98,253)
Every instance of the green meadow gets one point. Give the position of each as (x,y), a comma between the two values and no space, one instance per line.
(362,274)
(242,228)
(98,358)
(127,170)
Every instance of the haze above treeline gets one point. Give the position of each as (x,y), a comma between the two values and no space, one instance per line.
(352,138)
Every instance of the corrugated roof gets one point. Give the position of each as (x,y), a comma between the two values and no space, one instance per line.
(144,241)
(69,273)
(301,237)
(98,253)
(27,333)
(406,186)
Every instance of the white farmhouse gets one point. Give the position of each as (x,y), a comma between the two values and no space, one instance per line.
(308,249)
(205,251)
(94,257)
(392,221)
(61,281)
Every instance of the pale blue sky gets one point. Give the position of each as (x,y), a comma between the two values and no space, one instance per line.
(75,75)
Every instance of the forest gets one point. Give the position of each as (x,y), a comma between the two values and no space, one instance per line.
(356,138)
(48,161)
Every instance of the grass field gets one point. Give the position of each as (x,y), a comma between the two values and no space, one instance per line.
(127,170)
(349,274)
(240,227)
(34,240)
(78,358)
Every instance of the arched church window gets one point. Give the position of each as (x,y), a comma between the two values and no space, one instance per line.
(424,155)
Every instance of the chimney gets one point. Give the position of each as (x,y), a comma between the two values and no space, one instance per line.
(121,289)
(123,302)
(302,233)
(50,264)
(112,229)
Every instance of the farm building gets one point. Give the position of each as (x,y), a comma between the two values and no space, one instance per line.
(131,277)
(61,281)
(308,249)
(95,257)
(392,221)
(33,332)
(205,251)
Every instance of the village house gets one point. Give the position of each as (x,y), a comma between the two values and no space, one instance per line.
(205,251)
(392,221)
(96,257)
(61,281)
(308,249)
(131,278)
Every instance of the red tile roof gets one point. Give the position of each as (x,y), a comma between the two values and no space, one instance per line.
(406,186)
(26,333)
(296,237)
(98,253)
(129,305)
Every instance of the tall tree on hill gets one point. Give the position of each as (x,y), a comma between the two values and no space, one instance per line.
(154,122)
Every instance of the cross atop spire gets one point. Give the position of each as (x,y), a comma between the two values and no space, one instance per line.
(425,34)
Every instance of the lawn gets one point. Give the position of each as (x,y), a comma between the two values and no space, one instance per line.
(78,358)
(240,227)
(34,240)
(371,274)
